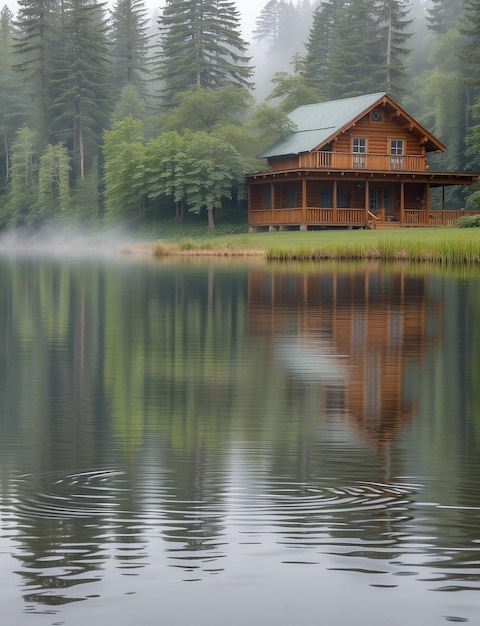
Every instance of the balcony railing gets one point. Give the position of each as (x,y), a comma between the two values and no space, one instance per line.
(350,161)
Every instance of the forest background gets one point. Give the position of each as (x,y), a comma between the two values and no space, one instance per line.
(110,112)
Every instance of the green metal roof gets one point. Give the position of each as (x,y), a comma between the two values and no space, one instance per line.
(315,123)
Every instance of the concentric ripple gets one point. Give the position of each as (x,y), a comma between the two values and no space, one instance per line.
(74,494)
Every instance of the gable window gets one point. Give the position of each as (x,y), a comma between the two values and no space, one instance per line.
(359,149)
(396,154)
(376,116)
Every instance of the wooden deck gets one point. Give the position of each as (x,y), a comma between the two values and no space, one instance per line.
(352,218)
(371,162)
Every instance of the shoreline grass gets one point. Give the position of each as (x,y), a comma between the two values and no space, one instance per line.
(431,245)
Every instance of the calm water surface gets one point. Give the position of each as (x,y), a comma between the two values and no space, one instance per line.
(193,444)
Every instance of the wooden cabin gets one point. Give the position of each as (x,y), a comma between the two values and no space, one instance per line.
(358,162)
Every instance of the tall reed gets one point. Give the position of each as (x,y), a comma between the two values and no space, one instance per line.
(439,251)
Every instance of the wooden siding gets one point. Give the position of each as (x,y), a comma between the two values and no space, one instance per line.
(379,134)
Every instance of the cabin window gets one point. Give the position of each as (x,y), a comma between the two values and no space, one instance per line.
(387,199)
(373,199)
(376,116)
(267,197)
(326,198)
(396,152)
(291,197)
(359,145)
(341,198)
(396,146)
(359,149)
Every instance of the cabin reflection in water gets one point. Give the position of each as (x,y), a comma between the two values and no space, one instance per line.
(360,334)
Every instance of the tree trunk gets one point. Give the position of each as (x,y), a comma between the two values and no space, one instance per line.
(211,219)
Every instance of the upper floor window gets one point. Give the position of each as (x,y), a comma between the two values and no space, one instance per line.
(359,149)
(359,145)
(396,147)
(396,154)
(376,116)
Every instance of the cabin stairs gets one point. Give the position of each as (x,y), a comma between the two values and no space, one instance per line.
(383,225)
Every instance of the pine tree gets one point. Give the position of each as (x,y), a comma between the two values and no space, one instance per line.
(319,45)
(394,36)
(469,48)
(33,45)
(443,14)
(81,81)
(14,108)
(267,24)
(355,65)
(201,45)
(130,44)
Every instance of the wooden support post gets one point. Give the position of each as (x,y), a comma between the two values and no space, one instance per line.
(335,205)
(304,201)
(367,198)
(272,199)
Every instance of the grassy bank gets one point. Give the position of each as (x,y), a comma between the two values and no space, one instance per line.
(448,245)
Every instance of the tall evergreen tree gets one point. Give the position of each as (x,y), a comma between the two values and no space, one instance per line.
(130,44)
(267,24)
(201,45)
(469,47)
(355,66)
(81,80)
(14,107)
(394,22)
(319,45)
(443,14)
(34,41)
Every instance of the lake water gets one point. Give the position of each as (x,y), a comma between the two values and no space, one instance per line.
(231,443)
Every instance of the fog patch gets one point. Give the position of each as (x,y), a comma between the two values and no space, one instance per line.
(65,241)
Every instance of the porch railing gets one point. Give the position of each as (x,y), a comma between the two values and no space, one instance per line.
(350,217)
(350,161)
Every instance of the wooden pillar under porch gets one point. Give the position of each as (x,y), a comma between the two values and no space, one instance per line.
(272,200)
(304,201)
(335,191)
(367,198)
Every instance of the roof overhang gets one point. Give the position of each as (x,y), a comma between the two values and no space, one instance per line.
(435,179)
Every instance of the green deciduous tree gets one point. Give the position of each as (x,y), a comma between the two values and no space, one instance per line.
(124,164)
(53,181)
(23,186)
(206,109)
(212,169)
(201,45)
(164,169)
(129,105)
(294,90)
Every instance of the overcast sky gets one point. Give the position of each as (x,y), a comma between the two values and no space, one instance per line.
(248,9)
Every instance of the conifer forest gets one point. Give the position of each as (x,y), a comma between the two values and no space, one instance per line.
(119,112)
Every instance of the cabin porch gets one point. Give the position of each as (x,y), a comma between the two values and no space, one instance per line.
(303,199)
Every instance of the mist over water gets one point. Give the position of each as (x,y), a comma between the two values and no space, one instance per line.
(71,241)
